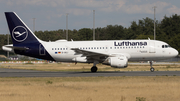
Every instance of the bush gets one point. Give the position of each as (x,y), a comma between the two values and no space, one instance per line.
(49,82)
(140,99)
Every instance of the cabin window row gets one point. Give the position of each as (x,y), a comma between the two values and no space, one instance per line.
(110,47)
(93,48)
(126,47)
(59,48)
(97,48)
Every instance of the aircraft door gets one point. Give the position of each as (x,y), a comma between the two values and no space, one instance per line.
(152,48)
(41,50)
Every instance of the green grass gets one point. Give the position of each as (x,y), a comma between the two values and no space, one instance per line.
(140,99)
(49,82)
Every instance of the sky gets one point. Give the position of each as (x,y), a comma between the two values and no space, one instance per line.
(51,14)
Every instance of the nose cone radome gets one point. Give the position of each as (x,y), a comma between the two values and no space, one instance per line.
(175,53)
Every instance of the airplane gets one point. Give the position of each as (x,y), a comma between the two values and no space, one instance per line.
(115,53)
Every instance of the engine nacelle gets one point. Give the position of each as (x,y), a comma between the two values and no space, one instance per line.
(117,62)
(80,59)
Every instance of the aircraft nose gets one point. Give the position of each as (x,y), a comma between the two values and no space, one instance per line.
(175,52)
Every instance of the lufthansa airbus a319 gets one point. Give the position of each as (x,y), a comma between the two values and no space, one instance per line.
(115,53)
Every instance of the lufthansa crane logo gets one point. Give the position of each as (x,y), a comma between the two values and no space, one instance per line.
(19,33)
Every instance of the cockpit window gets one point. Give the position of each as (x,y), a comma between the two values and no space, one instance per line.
(162,46)
(166,46)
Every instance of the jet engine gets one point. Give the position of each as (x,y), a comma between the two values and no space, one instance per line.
(117,62)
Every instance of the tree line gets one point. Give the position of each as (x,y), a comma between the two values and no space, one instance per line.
(167,30)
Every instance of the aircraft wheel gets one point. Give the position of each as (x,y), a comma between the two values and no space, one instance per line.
(94,69)
(152,69)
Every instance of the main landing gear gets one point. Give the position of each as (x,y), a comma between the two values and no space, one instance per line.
(94,68)
(151,69)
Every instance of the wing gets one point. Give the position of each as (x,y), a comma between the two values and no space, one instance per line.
(90,54)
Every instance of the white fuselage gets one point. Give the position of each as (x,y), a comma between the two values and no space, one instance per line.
(134,50)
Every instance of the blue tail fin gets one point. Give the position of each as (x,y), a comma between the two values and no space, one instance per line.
(19,31)
(24,40)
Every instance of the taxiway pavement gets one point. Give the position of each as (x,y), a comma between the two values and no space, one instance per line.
(4,72)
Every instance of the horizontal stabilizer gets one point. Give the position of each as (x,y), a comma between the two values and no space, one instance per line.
(11,48)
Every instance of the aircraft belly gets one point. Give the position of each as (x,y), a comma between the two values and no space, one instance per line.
(63,58)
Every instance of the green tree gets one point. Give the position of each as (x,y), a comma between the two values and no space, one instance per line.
(85,34)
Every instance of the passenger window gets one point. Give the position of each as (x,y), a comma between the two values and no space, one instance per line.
(97,48)
(94,47)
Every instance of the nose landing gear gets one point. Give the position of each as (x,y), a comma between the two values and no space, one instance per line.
(151,69)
